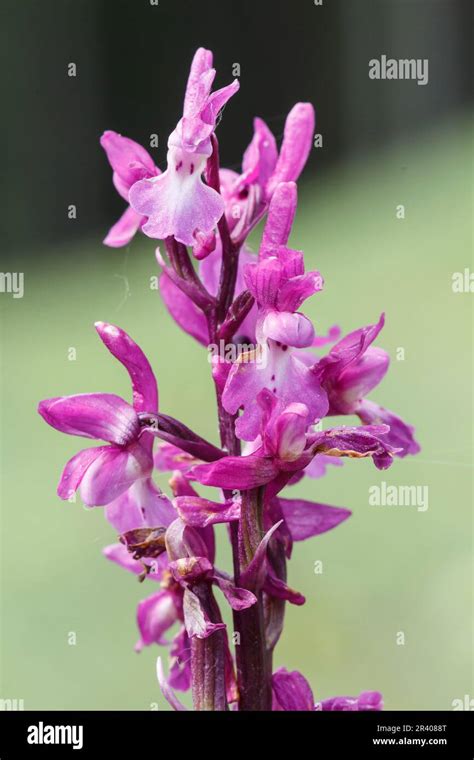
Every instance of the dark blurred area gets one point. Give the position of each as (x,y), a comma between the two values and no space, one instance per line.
(132,60)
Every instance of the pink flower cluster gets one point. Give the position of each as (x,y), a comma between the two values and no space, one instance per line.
(271,396)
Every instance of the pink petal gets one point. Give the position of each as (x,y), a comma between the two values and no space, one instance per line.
(254,575)
(281,214)
(155,615)
(143,505)
(260,157)
(200,513)
(291,691)
(75,470)
(169,457)
(347,350)
(196,620)
(281,372)
(217,101)
(290,329)
(264,281)
(92,415)
(306,518)
(124,230)
(178,203)
(183,310)
(298,289)
(120,345)
(356,442)
(297,143)
(113,472)
(401,435)
(127,158)
(238,598)
(357,380)
(285,434)
(199,82)
(279,589)
(236,472)
(180,661)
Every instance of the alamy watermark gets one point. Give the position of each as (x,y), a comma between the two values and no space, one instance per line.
(463,282)
(46,734)
(403,68)
(11,705)
(384,495)
(466,703)
(12,282)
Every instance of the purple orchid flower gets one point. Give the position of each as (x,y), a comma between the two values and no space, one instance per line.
(105,472)
(177,202)
(272,389)
(247,195)
(159,612)
(352,369)
(185,572)
(279,285)
(130,163)
(292,692)
(286,448)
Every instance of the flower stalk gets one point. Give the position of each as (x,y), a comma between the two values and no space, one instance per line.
(271,390)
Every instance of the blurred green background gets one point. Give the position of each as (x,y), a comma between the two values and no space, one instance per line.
(386,570)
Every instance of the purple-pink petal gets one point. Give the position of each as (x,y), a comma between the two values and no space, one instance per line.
(199,512)
(254,575)
(297,143)
(141,506)
(280,371)
(281,214)
(260,157)
(122,232)
(92,415)
(401,435)
(196,620)
(155,615)
(285,433)
(75,470)
(113,472)
(201,76)
(291,691)
(363,441)
(179,676)
(307,518)
(296,290)
(346,351)
(129,160)
(289,329)
(120,345)
(238,598)
(279,589)
(236,472)
(366,701)
(177,202)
